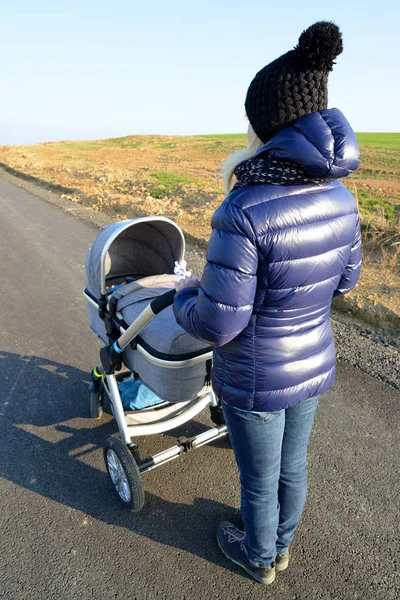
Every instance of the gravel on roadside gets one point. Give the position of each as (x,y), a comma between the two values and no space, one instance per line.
(367,352)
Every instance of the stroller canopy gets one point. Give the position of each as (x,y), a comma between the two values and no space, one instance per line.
(134,248)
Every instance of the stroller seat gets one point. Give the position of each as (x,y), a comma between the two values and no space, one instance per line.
(162,337)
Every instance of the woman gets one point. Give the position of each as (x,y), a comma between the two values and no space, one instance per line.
(285,241)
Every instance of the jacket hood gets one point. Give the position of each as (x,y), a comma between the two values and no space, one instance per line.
(322,143)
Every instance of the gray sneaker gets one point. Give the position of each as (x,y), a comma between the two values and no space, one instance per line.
(281,562)
(230,540)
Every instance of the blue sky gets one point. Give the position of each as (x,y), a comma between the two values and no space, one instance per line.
(86,69)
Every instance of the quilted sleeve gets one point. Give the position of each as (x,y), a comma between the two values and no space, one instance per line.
(221,308)
(351,273)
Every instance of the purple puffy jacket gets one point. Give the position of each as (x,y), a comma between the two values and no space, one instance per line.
(277,256)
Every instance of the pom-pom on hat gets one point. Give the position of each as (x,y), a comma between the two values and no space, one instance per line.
(296,83)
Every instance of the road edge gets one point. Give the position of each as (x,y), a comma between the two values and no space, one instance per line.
(42,191)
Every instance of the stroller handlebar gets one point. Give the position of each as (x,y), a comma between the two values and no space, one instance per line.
(163,301)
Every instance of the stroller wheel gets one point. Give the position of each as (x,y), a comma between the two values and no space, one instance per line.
(124,474)
(96,403)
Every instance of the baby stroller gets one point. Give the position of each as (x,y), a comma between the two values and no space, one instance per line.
(130,290)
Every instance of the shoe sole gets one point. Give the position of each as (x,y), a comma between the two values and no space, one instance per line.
(268,581)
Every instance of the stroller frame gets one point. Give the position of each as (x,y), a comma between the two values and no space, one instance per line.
(122,456)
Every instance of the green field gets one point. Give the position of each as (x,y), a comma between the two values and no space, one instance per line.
(380,140)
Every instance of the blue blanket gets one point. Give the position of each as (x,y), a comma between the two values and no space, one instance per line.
(136,396)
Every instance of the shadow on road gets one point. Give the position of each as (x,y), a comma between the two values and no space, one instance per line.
(47,437)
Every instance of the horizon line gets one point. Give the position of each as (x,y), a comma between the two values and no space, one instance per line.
(163,135)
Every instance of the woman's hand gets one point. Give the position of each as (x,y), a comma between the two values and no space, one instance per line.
(187,282)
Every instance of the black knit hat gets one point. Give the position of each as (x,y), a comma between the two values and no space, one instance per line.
(296,83)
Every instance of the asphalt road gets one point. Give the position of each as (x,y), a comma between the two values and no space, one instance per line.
(64,536)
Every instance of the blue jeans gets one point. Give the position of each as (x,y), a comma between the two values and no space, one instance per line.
(271,451)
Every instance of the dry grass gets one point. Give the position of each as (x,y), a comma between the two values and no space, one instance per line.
(391,257)
(178,177)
